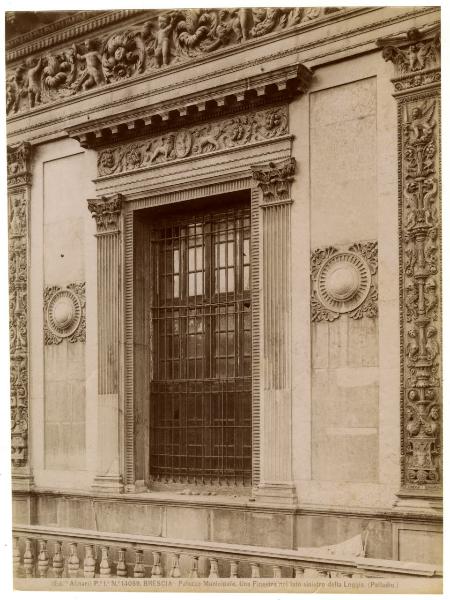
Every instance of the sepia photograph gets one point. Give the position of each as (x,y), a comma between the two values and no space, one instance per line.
(223,268)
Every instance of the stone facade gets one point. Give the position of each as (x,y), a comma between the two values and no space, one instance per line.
(327,123)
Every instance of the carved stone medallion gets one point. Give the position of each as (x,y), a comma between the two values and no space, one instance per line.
(64,314)
(343,282)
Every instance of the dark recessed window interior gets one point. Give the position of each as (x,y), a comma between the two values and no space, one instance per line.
(200,390)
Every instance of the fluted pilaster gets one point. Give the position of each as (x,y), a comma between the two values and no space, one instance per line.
(276,483)
(107,213)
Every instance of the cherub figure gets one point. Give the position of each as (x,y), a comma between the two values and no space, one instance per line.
(162,46)
(420,125)
(93,74)
(32,80)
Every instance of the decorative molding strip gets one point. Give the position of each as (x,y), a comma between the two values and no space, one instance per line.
(63,30)
(275,86)
(19,184)
(275,181)
(106,212)
(416,59)
(65,313)
(344,282)
(166,39)
(194,141)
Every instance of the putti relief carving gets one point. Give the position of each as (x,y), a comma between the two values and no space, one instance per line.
(168,39)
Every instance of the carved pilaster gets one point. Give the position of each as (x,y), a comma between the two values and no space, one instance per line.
(19,189)
(416,59)
(274,182)
(107,213)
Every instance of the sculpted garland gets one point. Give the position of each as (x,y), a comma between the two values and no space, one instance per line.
(173,37)
(193,141)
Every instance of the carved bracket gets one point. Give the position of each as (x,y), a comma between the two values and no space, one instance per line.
(106,212)
(65,313)
(274,180)
(344,282)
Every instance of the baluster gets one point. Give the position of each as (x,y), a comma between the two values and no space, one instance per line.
(73,563)
(43,558)
(213,568)
(194,570)
(255,571)
(175,570)
(139,569)
(299,572)
(16,555)
(276,571)
(121,569)
(156,569)
(58,560)
(105,566)
(233,569)
(28,558)
(89,561)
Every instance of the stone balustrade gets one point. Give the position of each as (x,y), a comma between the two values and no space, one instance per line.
(50,552)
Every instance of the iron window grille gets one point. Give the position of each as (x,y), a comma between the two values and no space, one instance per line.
(200,393)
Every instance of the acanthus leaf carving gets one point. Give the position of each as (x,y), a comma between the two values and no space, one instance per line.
(344,282)
(106,212)
(163,40)
(194,141)
(65,313)
(274,180)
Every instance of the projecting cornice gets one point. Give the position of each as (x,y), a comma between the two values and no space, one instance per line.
(277,85)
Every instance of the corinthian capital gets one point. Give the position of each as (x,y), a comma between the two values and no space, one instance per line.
(275,180)
(19,164)
(106,212)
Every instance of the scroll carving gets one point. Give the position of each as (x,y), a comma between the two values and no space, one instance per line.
(106,212)
(275,180)
(19,180)
(344,282)
(65,313)
(195,141)
(416,83)
(165,40)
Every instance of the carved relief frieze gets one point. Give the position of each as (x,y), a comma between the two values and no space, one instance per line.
(194,141)
(344,282)
(19,180)
(106,212)
(416,59)
(65,313)
(167,39)
(274,180)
